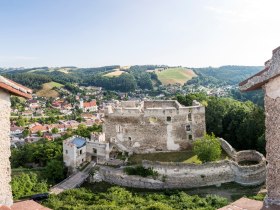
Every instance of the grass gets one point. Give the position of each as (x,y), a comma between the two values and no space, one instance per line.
(180,156)
(186,156)
(47,90)
(115,73)
(175,75)
(19,171)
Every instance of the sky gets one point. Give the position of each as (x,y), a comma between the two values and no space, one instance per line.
(89,33)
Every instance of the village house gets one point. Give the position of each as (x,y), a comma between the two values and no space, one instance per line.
(88,106)
(16,130)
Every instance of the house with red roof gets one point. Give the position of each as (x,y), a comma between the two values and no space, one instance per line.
(88,106)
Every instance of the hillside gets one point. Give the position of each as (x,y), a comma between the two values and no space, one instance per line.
(175,75)
(230,75)
(47,90)
(115,73)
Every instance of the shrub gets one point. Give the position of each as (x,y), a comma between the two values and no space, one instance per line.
(207,148)
(141,171)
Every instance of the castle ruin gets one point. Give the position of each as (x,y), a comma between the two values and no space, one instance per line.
(151,126)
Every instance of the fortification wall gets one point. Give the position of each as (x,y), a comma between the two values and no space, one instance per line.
(185,175)
(227,148)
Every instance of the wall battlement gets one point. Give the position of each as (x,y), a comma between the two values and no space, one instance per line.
(153,108)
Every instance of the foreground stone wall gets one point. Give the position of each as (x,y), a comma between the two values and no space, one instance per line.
(272,135)
(5,153)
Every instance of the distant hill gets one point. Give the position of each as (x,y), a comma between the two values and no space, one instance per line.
(47,90)
(135,77)
(230,75)
(175,75)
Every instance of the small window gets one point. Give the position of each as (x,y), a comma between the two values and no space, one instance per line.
(190,137)
(66,151)
(81,151)
(190,116)
(188,127)
(168,119)
(82,160)
(129,138)
(94,151)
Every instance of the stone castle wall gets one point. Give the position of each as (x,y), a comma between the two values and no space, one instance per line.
(185,175)
(5,168)
(154,126)
(272,135)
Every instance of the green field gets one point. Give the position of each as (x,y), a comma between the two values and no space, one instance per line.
(175,75)
(186,156)
(47,90)
(115,73)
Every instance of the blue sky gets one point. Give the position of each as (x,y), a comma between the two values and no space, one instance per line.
(86,33)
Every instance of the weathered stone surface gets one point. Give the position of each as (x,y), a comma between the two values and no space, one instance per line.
(272,123)
(154,126)
(185,175)
(5,168)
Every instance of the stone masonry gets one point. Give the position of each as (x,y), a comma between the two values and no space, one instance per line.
(7,87)
(269,80)
(178,175)
(5,175)
(151,126)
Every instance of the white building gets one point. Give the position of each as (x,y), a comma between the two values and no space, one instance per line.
(88,106)
(78,150)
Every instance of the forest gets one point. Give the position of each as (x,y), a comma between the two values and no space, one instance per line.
(229,75)
(135,77)
(240,123)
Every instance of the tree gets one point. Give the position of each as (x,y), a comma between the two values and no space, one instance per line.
(27,184)
(39,133)
(25,132)
(55,130)
(54,171)
(208,148)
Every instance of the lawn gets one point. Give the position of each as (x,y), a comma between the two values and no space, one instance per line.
(19,171)
(115,73)
(186,156)
(47,90)
(175,75)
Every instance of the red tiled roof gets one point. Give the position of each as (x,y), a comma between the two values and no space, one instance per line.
(89,104)
(37,128)
(28,205)
(246,204)
(15,88)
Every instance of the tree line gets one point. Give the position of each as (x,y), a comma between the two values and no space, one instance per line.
(240,123)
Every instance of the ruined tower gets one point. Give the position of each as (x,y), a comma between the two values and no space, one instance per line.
(7,88)
(269,80)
